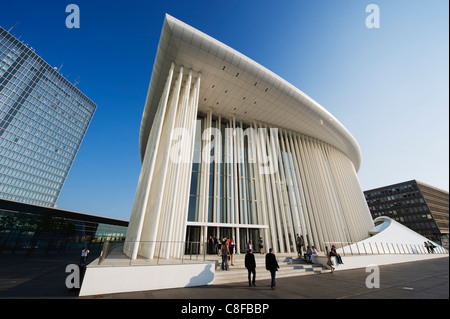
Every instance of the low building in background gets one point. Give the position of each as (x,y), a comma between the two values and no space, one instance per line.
(34,229)
(421,207)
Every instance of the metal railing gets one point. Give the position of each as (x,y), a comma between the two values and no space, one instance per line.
(163,252)
(179,252)
(377,248)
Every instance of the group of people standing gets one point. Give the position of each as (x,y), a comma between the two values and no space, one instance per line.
(311,253)
(213,246)
(227,249)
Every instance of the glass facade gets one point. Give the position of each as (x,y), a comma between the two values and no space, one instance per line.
(32,229)
(43,120)
(222,186)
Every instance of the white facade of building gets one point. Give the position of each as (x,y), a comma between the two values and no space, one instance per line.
(230,148)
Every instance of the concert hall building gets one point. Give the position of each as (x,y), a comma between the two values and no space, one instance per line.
(228,148)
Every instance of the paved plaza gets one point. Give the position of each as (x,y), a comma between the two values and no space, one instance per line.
(43,276)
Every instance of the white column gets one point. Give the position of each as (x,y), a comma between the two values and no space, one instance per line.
(142,193)
(191,126)
(153,211)
(243,186)
(280,187)
(322,196)
(205,168)
(292,177)
(301,197)
(236,200)
(183,182)
(217,163)
(227,175)
(339,229)
(305,168)
(266,189)
(172,190)
(288,178)
(261,206)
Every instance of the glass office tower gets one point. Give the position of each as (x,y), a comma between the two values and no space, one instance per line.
(43,119)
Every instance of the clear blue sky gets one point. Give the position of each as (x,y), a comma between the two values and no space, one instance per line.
(388,86)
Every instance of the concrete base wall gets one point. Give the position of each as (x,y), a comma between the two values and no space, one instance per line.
(115,279)
(362,261)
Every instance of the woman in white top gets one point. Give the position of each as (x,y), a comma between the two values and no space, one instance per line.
(84,255)
(314,254)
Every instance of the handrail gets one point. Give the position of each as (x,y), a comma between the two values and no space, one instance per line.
(107,247)
(385,248)
(174,251)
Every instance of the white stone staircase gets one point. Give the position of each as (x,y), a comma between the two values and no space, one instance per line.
(290,265)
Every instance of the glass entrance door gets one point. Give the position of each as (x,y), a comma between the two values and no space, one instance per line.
(193,243)
(243,240)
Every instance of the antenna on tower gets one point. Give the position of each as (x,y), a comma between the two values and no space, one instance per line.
(76,82)
(13,26)
(60,67)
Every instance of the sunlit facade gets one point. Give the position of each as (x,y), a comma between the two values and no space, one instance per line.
(228,148)
(43,120)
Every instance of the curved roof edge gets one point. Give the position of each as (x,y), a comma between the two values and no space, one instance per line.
(390,231)
(337,134)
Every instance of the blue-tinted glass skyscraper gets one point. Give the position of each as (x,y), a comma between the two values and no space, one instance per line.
(43,120)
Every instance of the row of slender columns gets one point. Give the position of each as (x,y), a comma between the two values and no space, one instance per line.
(159,215)
(314,190)
(327,204)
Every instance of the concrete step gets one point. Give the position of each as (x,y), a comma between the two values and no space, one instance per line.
(289,266)
(239,260)
(241,275)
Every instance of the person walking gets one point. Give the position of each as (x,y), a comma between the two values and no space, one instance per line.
(210,245)
(224,252)
(261,245)
(427,246)
(231,248)
(299,244)
(249,245)
(432,246)
(216,245)
(84,255)
(272,266)
(250,264)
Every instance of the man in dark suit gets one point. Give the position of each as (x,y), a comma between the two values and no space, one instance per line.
(272,266)
(250,264)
